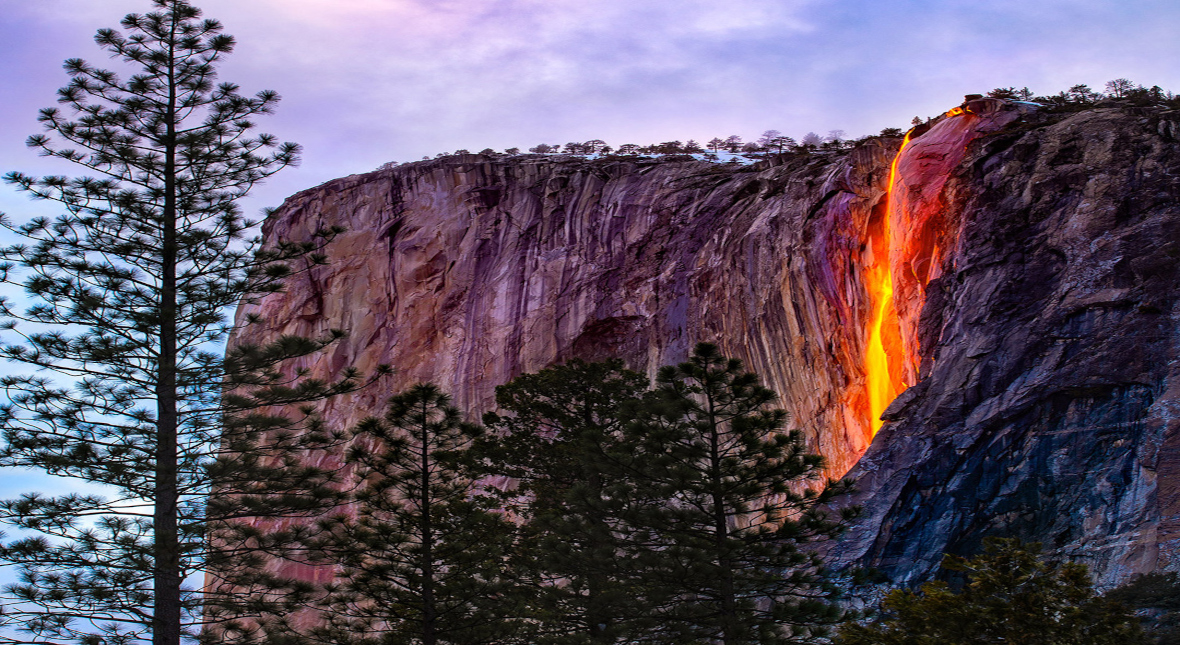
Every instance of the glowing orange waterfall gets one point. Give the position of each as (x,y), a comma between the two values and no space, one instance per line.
(884,353)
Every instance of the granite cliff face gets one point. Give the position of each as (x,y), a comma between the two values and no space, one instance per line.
(467,271)
(1032,268)
(1048,405)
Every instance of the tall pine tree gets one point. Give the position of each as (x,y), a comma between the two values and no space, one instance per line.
(421,559)
(559,434)
(732,501)
(131,286)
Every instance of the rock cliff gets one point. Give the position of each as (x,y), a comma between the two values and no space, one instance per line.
(1030,303)
(467,271)
(1048,399)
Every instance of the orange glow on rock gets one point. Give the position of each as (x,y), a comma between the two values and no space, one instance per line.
(884,355)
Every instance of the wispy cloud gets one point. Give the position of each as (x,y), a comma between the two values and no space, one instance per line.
(366,81)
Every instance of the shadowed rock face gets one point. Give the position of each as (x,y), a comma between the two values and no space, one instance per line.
(1049,401)
(1034,266)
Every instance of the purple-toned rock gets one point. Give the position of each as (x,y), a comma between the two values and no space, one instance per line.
(468,271)
(1035,269)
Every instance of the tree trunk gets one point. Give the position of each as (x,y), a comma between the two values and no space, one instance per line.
(598,619)
(429,615)
(166,614)
(729,627)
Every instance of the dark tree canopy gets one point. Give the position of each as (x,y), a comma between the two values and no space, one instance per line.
(1011,596)
(731,501)
(559,433)
(421,558)
(679,514)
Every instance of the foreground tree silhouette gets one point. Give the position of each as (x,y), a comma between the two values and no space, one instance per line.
(732,501)
(559,434)
(133,283)
(421,559)
(1010,596)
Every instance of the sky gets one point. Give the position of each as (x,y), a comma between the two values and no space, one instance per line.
(365,82)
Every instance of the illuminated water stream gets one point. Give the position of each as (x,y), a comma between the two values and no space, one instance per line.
(884,353)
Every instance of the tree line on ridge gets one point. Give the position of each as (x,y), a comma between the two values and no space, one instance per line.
(1120,91)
